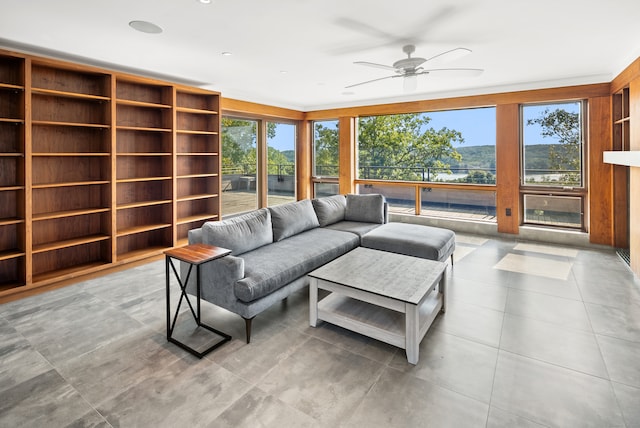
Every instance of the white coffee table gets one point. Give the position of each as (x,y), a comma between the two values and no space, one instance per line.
(390,297)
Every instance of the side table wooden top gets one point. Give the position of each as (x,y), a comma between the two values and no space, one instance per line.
(197,253)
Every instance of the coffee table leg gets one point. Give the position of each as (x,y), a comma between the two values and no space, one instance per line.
(313,301)
(443,290)
(412,332)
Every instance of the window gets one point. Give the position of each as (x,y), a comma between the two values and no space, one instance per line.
(552,174)
(456,146)
(326,156)
(552,145)
(281,163)
(239,165)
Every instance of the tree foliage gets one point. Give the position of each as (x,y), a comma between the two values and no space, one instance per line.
(239,142)
(565,157)
(327,151)
(402,147)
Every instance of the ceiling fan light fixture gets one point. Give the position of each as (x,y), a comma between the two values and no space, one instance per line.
(410,83)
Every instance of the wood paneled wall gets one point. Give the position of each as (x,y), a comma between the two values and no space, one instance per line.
(634,176)
(508,168)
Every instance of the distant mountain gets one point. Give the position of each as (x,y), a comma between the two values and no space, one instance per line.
(290,155)
(537,157)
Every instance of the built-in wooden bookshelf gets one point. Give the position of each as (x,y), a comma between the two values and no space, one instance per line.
(197,160)
(621,143)
(12,173)
(98,168)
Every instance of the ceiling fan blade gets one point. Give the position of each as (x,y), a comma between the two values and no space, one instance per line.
(456,72)
(376,65)
(371,81)
(452,54)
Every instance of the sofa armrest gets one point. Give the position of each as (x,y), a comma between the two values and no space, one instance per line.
(195,236)
(217,278)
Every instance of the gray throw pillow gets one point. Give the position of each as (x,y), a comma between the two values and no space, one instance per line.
(365,208)
(292,218)
(330,209)
(240,234)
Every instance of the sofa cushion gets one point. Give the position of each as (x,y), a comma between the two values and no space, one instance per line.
(358,227)
(427,242)
(330,209)
(268,268)
(365,208)
(240,234)
(292,218)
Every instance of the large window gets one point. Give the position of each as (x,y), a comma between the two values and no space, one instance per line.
(552,177)
(239,165)
(326,158)
(281,163)
(456,146)
(552,145)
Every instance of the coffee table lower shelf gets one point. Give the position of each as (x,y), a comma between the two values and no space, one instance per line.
(388,320)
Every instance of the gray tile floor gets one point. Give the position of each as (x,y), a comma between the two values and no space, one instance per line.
(535,335)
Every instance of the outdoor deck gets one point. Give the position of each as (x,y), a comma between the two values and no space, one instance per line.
(237,201)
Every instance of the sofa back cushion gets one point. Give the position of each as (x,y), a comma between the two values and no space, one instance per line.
(240,234)
(365,208)
(292,218)
(330,210)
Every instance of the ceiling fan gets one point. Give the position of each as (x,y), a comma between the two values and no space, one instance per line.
(411,67)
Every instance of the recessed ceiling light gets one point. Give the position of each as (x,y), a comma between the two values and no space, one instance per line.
(145,27)
(283,71)
(204,1)
(348,93)
(226,54)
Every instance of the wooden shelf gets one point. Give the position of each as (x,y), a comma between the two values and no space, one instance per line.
(70,213)
(75,154)
(11,188)
(140,128)
(139,229)
(11,254)
(12,155)
(68,272)
(143,253)
(143,204)
(193,132)
(66,94)
(134,103)
(10,120)
(197,197)
(195,218)
(198,154)
(80,125)
(11,220)
(69,243)
(198,175)
(11,86)
(140,179)
(196,111)
(70,184)
(144,154)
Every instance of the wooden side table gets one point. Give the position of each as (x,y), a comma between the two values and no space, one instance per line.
(194,255)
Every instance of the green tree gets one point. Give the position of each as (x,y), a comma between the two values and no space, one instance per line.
(401,147)
(239,139)
(326,148)
(565,156)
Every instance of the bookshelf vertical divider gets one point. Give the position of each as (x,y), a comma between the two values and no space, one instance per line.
(98,169)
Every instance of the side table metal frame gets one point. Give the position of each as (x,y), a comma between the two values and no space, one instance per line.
(196,313)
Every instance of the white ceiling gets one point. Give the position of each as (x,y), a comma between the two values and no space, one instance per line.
(299,53)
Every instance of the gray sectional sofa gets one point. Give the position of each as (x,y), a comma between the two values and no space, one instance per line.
(273,249)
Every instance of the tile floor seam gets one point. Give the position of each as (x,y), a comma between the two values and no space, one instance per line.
(495,367)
